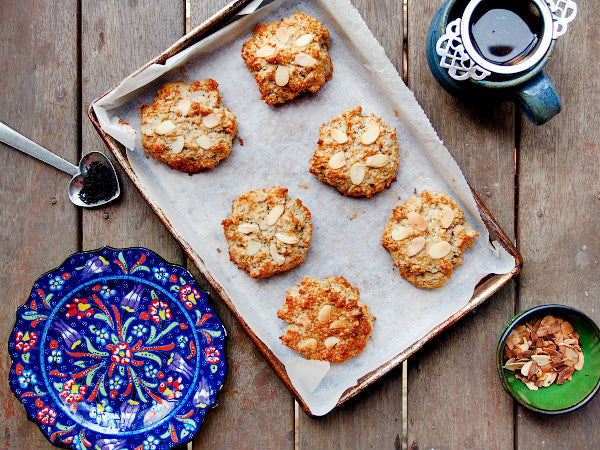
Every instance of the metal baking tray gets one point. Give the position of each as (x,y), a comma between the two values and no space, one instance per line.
(484,290)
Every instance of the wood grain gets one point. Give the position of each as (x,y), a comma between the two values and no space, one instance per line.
(39,99)
(454,400)
(254,403)
(355,425)
(559,213)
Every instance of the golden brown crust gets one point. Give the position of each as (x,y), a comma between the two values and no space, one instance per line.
(326,321)
(401,237)
(304,74)
(268,232)
(187,140)
(378,159)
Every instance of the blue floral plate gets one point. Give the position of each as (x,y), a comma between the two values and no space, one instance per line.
(117,349)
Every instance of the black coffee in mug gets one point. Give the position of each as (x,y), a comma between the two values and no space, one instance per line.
(506,32)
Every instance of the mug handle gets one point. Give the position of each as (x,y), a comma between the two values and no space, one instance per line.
(538,99)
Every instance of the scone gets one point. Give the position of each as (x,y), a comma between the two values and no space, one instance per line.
(357,154)
(426,238)
(288,57)
(268,232)
(326,320)
(188,127)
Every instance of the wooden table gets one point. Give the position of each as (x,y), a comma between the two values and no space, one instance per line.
(541,183)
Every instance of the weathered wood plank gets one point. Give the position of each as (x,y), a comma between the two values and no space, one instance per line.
(254,403)
(374,418)
(39,99)
(559,214)
(454,400)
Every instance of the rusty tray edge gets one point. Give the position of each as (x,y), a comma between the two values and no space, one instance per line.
(484,289)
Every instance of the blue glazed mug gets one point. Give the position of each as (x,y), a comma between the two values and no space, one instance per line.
(461,69)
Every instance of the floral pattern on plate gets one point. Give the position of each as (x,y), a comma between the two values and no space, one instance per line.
(117,349)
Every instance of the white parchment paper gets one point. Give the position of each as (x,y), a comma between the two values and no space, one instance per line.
(278,143)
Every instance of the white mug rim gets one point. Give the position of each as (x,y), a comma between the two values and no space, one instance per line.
(531,61)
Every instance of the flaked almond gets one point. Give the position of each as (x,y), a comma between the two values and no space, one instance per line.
(303,321)
(308,344)
(324,314)
(570,354)
(331,341)
(550,379)
(286,238)
(531,385)
(338,323)
(204,142)
(447,217)
(541,360)
(378,160)
(514,365)
(277,258)
(579,364)
(357,173)
(177,144)
(548,320)
(211,120)
(265,51)
(370,135)
(304,40)
(417,221)
(337,161)
(399,232)
(339,136)
(247,228)
(566,327)
(282,34)
(526,367)
(282,76)
(252,248)
(165,127)
(415,246)
(274,215)
(439,250)
(183,106)
(304,60)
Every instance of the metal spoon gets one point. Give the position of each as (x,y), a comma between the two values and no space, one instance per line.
(20,142)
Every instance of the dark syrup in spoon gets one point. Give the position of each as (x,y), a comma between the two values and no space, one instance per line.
(507,32)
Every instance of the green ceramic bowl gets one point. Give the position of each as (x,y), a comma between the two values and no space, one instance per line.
(571,395)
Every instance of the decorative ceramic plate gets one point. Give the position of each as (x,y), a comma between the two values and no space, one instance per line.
(117,349)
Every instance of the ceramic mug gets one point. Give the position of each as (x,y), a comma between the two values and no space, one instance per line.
(462,70)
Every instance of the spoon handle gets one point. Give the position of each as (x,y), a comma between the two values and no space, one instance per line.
(20,142)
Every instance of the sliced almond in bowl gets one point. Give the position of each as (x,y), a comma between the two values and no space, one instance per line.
(265,51)
(417,221)
(370,135)
(165,127)
(304,60)
(357,173)
(339,136)
(177,144)
(378,160)
(304,40)
(439,250)
(415,246)
(282,76)
(541,360)
(211,120)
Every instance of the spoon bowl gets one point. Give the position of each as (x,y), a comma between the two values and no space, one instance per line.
(79,173)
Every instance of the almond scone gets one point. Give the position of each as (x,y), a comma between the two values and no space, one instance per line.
(188,127)
(426,238)
(268,232)
(357,154)
(288,57)
(326,320)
